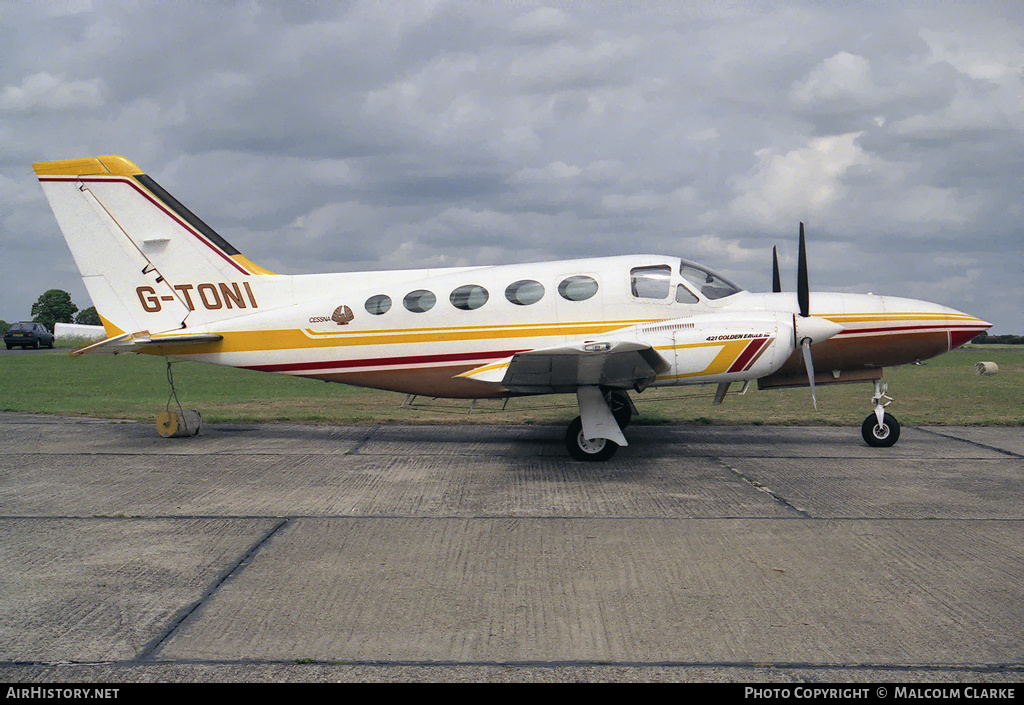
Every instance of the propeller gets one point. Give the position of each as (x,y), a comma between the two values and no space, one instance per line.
(808,329)
(803,294)
(776,279)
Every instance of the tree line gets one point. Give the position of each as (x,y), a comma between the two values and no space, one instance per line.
(985,338)
(55,306)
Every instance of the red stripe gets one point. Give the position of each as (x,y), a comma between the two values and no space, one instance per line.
(894,329)
(382,362)
(159,205)
(748,352)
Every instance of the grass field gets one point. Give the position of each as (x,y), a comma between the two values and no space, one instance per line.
(945,390)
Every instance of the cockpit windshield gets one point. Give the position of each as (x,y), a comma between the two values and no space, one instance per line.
(709,284)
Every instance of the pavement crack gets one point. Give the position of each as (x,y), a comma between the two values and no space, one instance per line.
(973,443)
(354,450)
(763,488)
(182,615)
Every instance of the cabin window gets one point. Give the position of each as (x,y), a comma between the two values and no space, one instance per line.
(419,301)
(378,305)
(525,292)
(651,282)
(469,297)
(685,296)
(577,288)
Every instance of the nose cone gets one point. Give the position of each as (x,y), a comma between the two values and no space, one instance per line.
(959,327)
(963,327)
(816,328)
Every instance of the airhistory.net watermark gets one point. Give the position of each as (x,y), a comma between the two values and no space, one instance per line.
(48,693)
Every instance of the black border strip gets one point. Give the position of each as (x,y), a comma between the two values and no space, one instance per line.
(185,214)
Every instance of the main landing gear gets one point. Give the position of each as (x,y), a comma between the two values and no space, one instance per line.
(596,433)
(880,429)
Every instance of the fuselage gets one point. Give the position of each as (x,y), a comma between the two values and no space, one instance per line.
(417,331)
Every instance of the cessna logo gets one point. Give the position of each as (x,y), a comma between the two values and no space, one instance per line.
(342,315)
(210,296)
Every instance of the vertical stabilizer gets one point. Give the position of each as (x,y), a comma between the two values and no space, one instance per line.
(147,261)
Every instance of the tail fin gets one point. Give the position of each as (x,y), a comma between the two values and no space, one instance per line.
(147,261)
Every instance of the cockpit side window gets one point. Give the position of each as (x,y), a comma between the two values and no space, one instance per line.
(653,282)
(685,296)
(709,284)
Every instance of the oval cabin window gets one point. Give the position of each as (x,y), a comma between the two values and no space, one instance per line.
(577,288)
(469,297)
(378,305)
(419,301)
(525,292)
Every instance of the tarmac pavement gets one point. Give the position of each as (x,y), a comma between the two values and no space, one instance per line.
(287,552)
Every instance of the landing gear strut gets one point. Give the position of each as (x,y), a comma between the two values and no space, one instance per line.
(880,429)
(602,414)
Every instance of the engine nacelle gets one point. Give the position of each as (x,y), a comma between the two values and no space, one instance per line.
(730,346)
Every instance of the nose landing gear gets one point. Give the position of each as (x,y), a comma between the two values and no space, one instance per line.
(880,430)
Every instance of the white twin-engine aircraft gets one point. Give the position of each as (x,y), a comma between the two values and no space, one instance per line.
(165,283)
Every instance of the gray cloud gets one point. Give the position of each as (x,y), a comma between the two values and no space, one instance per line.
(320,136)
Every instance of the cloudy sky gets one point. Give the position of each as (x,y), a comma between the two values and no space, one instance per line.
(331,136)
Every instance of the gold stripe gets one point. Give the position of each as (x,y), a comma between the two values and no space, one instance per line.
(876,318)
(111,164)
(250,265)
(730,352)
(264,340)
(486,368)
(111,330)
(581,326)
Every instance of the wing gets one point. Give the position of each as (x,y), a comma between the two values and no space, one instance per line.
(564,369)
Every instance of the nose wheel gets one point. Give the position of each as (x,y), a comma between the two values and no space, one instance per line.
(880,430)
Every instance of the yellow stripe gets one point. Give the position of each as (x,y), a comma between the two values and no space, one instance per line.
(252,341)
(110,164)
(111,330)
(878,318)
(485,368)
(250,265)
(731,350)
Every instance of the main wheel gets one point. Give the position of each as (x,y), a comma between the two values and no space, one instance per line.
(882,436)
(579,447)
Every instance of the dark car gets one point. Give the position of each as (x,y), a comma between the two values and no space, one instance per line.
(28,335)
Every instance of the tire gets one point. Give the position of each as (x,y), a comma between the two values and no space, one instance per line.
(596,450)
(883,436)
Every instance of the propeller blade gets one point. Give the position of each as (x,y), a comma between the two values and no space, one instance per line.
(776,279)
(805,349)
(803,293)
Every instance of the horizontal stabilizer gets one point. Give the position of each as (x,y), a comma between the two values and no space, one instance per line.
(133,342)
